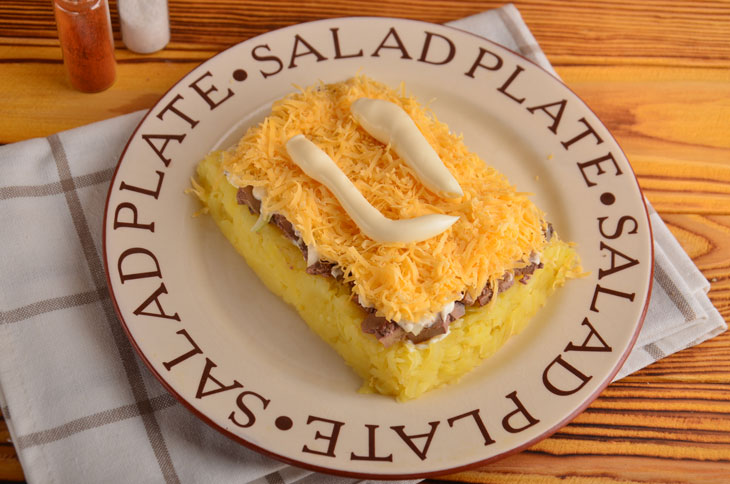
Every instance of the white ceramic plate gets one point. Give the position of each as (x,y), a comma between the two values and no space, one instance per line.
(246,364)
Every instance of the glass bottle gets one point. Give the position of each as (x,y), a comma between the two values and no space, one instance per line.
(87,43)
(145,24)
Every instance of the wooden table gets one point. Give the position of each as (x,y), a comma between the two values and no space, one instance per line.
(657,74)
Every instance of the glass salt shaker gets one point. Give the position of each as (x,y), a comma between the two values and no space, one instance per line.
(145,24)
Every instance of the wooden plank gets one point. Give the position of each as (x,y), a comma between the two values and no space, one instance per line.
(607,29)
(675,131)
(10,468)
(587,34)
(531,467)
(41,101)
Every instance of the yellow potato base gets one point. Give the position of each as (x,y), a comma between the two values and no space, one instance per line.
(402,370)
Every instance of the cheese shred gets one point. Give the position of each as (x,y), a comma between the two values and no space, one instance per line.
(498,227)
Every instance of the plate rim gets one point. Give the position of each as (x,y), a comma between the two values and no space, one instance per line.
(340,472)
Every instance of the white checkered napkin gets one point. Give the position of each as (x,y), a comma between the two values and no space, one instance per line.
(81,406)
(680,314)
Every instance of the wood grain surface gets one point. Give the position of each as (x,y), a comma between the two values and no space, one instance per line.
(657,73)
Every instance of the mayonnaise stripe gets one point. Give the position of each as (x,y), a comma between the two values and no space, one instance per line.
(318,165)
(390,124)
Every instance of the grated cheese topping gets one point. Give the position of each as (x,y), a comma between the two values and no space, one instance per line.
(498,227)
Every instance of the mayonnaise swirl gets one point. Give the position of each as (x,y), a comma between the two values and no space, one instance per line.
(318,165)
(390,124)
